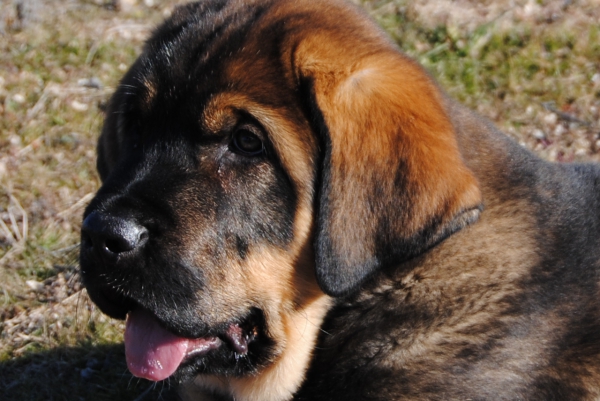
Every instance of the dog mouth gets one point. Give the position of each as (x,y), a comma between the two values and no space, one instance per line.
(155,353)
(155,350)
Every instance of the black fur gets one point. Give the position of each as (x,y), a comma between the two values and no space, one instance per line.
(156,161)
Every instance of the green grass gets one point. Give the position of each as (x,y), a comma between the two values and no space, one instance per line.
(521,72)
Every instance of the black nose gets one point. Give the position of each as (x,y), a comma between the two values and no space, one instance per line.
(111,235)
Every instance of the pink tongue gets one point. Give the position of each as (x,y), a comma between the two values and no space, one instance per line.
(151,351)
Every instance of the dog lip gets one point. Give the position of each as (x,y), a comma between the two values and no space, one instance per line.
(200,346)
(237,338)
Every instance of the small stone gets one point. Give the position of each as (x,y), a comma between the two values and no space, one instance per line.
(93,83)
(79,106)
(35,285)
(19,98)
(87,373)
(559,130)
(529,111)
(551,118)
(14,140)
(538,134)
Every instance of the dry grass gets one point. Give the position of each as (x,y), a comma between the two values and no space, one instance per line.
(531,66)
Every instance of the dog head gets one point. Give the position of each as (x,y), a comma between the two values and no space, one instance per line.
(257,156)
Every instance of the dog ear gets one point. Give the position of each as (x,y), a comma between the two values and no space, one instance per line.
(392,182)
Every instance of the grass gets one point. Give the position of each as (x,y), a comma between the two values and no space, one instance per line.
(50,116)
(536,76)
(533,68)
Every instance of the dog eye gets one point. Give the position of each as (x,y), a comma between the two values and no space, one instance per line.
(247,143)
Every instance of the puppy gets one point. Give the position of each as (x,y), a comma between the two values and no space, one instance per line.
(291,209)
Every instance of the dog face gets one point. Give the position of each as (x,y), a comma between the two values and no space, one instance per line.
(256,157)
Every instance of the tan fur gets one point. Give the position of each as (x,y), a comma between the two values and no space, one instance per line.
(151,92)
(294,143)
(283,285)
(352,99)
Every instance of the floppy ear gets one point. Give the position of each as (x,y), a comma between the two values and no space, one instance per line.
(392,180)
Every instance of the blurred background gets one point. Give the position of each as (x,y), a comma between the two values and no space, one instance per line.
(531,66)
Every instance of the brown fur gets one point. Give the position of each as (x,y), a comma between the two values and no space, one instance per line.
(396,244)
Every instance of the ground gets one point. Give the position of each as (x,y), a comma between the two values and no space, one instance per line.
(533,67)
